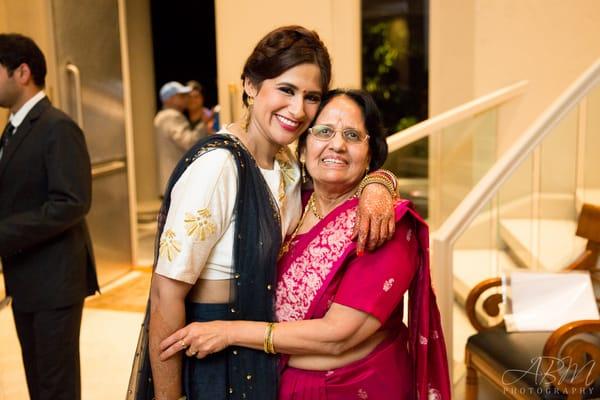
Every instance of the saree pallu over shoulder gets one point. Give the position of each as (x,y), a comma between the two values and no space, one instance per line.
(258,239)
(309,278)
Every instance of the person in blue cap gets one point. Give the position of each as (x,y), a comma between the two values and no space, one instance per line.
(174,135)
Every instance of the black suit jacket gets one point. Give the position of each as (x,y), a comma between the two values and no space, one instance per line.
(45,192)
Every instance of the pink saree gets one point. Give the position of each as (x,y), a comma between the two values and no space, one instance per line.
(321,267)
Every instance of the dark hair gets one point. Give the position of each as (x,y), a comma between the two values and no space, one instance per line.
(285,48)
(372,117)
(195,85)
(16,49)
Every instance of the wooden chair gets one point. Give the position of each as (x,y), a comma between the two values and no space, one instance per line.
(564,364)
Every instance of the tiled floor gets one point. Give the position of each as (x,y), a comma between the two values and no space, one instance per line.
(108,340)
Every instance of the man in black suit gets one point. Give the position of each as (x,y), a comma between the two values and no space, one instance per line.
(45,247)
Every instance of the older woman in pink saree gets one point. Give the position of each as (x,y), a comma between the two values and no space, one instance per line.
(340,323)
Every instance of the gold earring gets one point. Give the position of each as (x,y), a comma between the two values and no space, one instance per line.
(303,172)
(250,101)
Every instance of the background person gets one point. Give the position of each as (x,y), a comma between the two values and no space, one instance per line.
(45,193)
(174,135)
(196,112)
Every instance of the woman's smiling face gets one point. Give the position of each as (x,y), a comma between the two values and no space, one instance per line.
(285,105)
(336,161)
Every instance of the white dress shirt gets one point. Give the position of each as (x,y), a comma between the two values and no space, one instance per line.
(17,118)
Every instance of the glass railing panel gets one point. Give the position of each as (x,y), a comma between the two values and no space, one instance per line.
(588,190)
(493,244)
(516,212)
(462,154)
(410,164)
(477,256)
(556,243)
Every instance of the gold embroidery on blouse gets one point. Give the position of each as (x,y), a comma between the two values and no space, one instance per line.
(288,172)
(169,246)
(287,176)
(200,224)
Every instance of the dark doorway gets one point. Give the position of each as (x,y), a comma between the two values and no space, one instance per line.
(184,41)
(395,59)
(395,70)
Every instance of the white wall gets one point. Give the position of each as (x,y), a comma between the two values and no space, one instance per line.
(451,53)
(548,42)
(478,46)
(240,24)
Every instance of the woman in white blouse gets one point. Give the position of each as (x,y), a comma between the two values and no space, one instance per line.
(234,199)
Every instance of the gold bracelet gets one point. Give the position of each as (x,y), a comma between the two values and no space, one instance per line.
(389,174)
(270,341)
(376,179)
(268,334)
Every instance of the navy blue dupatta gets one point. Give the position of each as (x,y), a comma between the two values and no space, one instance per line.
(252,373)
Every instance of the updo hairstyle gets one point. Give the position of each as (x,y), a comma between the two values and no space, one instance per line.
(285,48)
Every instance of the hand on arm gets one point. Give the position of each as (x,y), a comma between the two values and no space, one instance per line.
(343,327)
(375,223)
(167,314)
(339,330)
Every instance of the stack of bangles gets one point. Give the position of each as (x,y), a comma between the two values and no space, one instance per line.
(268,346)
(383,177)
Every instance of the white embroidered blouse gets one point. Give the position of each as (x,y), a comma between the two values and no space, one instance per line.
(197,240)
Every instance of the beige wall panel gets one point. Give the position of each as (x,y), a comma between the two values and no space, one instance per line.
(478,46)
(591,160)
(143,94)
(547,42)
(30,18)
(3,21)
(451,53)
(240,24)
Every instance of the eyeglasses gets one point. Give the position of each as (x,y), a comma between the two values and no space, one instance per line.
(325,133)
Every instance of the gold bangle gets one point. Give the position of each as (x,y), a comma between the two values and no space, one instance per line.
(270,345)
(389,174)
(268,334)
(376,179)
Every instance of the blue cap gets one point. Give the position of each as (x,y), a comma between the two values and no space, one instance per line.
(172,88)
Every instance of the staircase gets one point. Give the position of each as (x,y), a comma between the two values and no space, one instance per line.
(494,213)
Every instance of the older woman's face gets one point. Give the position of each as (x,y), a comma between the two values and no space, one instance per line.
(336,161)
